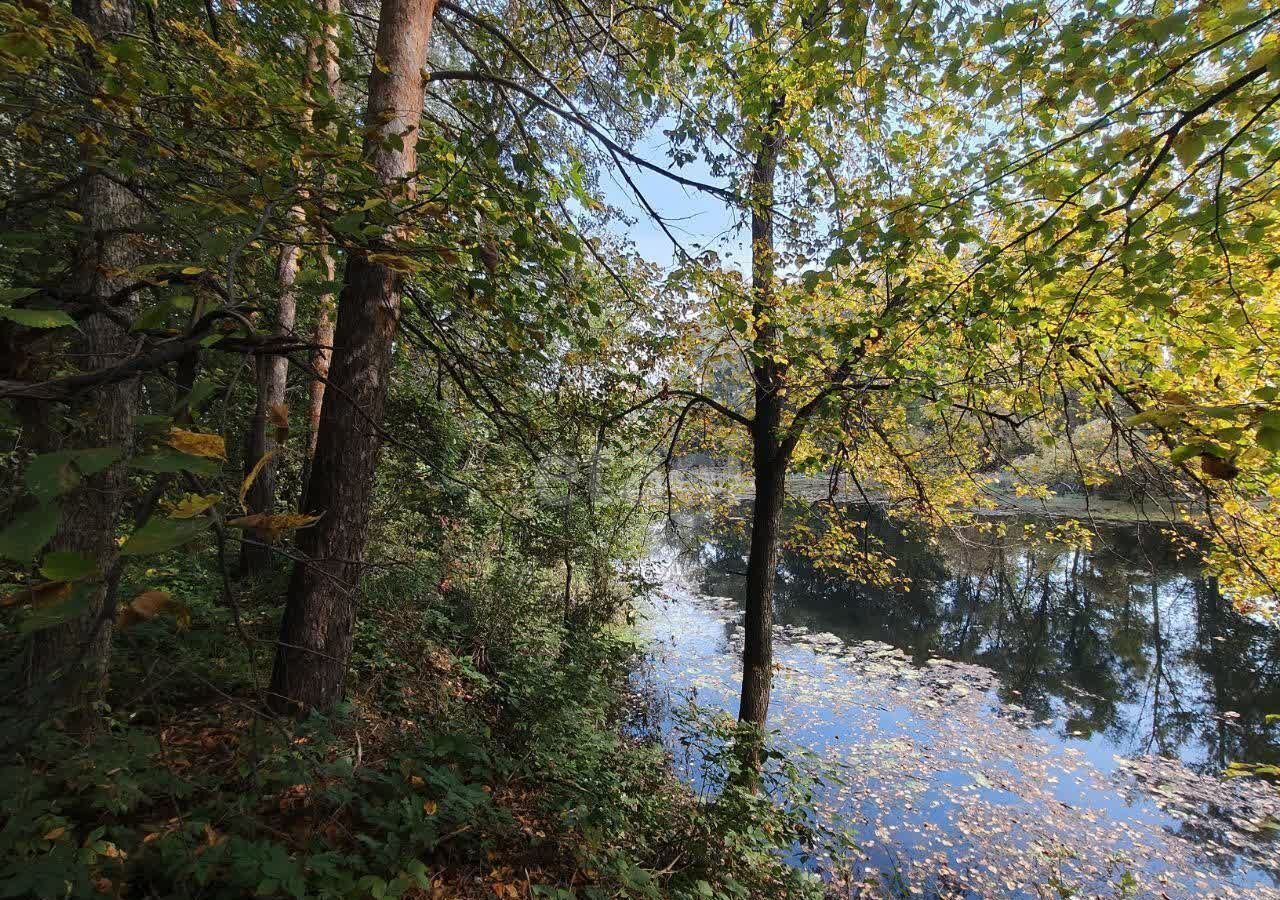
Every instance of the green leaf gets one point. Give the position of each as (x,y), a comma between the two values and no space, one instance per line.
(53,474)
(200,392)
(166,460)
(93,460)
(161,534)
(29,532)
(152,317)
(1152,417)
(8,295)
(1184,452)
(75,604)
(67,565)
(37,318)
(1189,146)
(1269,439)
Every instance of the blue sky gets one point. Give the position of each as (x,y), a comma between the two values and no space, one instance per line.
(699,220)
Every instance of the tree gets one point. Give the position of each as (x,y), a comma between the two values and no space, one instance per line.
(315,635)
(946,227)
(326,49)
(271,410)
(69,660)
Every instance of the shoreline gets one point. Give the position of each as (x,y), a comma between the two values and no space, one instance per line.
(737,486)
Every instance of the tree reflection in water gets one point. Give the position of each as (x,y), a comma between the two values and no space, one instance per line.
(1124,640)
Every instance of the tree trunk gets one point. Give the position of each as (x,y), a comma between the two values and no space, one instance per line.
(68,663)
(272,378)
(322,336)
(762,568)
(255,556)
(769,456)
(273,372)
(315,636)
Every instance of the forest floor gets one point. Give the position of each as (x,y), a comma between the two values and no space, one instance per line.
(483,751)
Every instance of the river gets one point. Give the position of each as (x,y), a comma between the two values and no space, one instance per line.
(1013,717)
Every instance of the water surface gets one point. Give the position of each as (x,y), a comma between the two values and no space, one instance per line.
(1009,713)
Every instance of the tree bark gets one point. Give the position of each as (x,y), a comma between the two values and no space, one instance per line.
(315,635)
(273,371)
(67,664)
(762,568)
(769,455)
(322,336)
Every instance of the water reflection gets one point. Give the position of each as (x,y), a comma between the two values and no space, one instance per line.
(1123,643)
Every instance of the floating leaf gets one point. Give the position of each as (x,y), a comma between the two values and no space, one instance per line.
(201,392)
(148,605)
(1269,438)
(51,475)
(159,535)
(1216,467)
(194,443)
(1189,146)
(271,526)
(152,317)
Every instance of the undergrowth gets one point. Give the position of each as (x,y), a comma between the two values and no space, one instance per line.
(480,753)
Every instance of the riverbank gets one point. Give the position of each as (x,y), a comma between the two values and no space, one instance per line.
(729,485)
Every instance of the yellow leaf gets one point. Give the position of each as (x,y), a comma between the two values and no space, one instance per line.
(396,262)
(211,446)
(192,270)
(55,834)
(253,473)
(429,807)
(193,505)
(272,526)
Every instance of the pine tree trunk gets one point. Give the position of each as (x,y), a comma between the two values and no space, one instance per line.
(68,663)
(315,636)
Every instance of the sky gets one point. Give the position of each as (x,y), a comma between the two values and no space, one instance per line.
(699,220)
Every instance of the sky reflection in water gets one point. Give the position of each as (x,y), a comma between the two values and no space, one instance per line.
(999,771)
